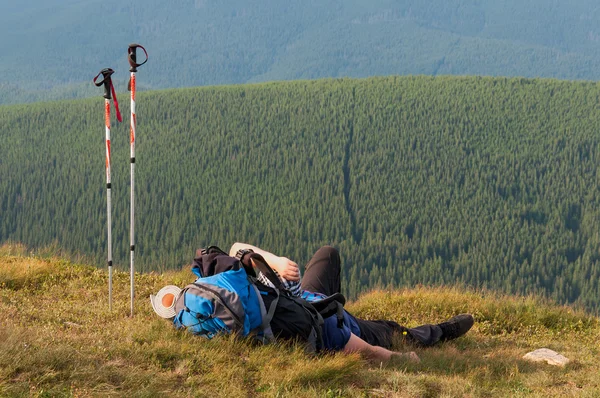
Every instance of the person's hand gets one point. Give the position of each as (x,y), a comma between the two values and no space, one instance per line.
(399,358)
(412,357)
(287,269)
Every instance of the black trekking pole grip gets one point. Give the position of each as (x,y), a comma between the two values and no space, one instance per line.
(132,56)
(106,80)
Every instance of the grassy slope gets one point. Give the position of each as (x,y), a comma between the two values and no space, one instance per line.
(57,338)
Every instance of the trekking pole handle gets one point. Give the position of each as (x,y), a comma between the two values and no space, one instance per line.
(132,56)
(108,88)
(106,80)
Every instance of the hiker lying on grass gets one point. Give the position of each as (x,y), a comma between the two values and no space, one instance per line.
(370,338)
(232,295)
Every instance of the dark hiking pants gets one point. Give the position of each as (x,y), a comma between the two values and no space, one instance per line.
(322,275)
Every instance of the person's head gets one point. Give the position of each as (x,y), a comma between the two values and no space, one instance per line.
(163,302)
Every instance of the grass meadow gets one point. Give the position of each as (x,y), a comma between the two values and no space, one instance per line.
(59,339)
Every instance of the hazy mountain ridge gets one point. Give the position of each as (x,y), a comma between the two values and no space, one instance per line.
(204,42)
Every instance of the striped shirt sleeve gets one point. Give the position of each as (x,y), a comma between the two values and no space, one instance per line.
(292,286)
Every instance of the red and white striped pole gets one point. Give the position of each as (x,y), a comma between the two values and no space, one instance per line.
(108,199)
(132,56)
(108,89)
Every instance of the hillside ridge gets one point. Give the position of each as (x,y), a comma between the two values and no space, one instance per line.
(198,43)
(484,182)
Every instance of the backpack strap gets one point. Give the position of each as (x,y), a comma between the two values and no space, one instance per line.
(331,305)
(326,307)
(266,315)
(259,263)
(315,340)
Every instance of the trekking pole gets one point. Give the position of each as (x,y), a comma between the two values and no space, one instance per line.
(108,89)
(132,57)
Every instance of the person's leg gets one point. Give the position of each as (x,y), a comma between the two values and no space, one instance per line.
(425,335)
(381,332)
(322,273)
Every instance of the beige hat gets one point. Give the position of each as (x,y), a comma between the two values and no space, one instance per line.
(164,301)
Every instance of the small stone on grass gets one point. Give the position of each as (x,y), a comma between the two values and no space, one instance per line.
(548,356)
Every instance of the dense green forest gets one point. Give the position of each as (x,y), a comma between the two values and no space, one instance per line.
(52,48)
(486,182)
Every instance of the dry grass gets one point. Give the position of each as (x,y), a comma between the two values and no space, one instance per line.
(58,338)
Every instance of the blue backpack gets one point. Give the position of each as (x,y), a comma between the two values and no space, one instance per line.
(227,298)
(223,299)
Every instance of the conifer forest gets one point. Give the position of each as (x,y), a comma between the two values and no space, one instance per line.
(483,182)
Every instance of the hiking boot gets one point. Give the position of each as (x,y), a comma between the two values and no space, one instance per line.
(456,326)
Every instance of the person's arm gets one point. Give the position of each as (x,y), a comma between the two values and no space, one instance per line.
(375,353)
(285,267)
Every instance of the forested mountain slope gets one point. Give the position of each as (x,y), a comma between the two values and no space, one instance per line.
(52,48)
(488,182)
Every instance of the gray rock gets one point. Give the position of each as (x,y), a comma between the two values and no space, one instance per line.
(548,356)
